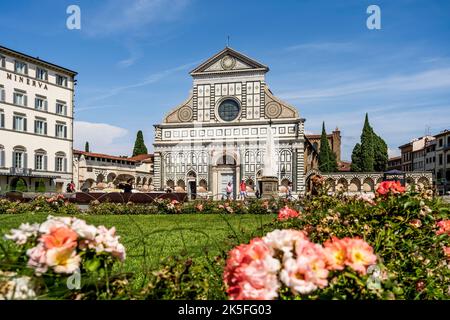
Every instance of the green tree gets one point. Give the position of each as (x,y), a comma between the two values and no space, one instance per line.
(327,158)
(139,145)
(380,154)
(41,186)
(371,154)
(86,147)
(367,147)
(21,186)
(356,158)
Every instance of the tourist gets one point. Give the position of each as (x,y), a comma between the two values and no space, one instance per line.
(70,187)
(243,190)
(289,191)
(229,190)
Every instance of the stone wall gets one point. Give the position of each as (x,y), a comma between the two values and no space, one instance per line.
(356,182)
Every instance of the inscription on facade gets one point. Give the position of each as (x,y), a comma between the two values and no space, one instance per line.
(26,80)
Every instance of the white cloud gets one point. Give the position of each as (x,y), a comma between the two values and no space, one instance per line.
(150,79)
(422,81)
(102,137)
(118,16)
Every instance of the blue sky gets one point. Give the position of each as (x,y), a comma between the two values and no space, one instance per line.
(133,59)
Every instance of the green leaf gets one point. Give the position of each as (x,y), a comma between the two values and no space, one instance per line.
(92,265)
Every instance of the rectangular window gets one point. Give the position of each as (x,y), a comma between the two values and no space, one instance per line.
(19,123)
(440,159)
(2,62)
(2,93)
(20,99)
(2,119)
(20,67)
(18,160)
(40,126)
(41,74)
(39,164)
(61,81)
(61,131)
(440,142)
(40,103)
(59,164)
(61,109)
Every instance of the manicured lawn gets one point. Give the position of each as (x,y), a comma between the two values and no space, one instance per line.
(150,238)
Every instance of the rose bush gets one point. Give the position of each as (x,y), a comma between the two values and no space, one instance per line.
(43,256)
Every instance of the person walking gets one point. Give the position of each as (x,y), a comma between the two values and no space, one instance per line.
(243,190)
(229,190)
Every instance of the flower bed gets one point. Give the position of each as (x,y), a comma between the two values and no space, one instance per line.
(58,205)
(394,245)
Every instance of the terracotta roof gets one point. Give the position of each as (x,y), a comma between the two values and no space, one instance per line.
(394,158)
(141,157)
(102,155)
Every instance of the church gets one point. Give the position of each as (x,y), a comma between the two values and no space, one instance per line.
(219,133)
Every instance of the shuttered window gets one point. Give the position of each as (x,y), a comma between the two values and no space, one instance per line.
(2,94)
(20,99)
(21,67)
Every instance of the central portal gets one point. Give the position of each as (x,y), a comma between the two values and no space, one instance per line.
(226,170)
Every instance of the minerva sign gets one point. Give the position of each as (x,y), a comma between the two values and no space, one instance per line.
(26,80)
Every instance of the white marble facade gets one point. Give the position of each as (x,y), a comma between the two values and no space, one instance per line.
(218,134)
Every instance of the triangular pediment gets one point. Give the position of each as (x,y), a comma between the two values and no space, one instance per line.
(228,60)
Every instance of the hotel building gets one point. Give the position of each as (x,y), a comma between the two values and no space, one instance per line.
(36,123)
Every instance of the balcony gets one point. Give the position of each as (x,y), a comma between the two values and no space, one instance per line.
(27,172)
(20,171)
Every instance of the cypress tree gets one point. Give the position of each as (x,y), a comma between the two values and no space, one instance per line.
(333,162)
(380,154)
(86,147)
(356,158)
(327,158)
(139,145)
(372,153)
(367,147)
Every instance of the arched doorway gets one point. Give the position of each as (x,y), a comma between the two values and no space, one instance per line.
(226,170)
(191,178)
(19,184)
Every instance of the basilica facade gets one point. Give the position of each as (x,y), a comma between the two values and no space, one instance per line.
(219,133)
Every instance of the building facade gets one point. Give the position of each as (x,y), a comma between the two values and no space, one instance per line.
(429,153)
(100,172)
(218,135)
(394,163)
(334,139)
(413,154)
(442,164)
(36,123)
